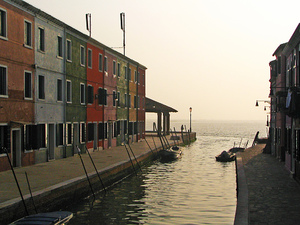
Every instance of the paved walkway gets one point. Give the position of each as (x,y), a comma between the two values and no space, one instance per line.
(44,175)
(273,196)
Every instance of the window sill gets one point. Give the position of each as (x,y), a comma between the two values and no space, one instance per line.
(3,155)
(3,38)
(28,151)
(27,46)
(3,96)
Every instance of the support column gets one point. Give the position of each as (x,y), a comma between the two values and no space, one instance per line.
(159,122)
(166,123)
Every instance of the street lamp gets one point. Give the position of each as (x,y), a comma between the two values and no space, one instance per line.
(190,119)
(265,101)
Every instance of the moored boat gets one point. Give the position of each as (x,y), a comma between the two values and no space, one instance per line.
(225,157)
(167,155)
(50,218)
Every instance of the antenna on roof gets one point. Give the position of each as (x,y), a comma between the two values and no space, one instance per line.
(88,18)
(122,20)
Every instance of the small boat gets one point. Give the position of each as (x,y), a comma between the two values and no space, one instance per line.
(175,148)
(50,218)
(225,157)
(236,149)
(167,155)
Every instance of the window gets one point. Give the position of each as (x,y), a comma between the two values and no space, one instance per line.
(35,136)
(101,131)
(125,70)
(118,99)
(59,134)
(118,127)
(82,94)
(105,130)
(68,133)
(59,90)
(135,127)
(105,64)
(102,96)
(119,70)
(4,141)
(82,132)
(115,129)
(125,123)
(59,47)
(41,84)
(69,91)
(114,98)
(82,55)
(27,85)
(129,73)
(3,81)
(135,76)
(41,41)
(69,50)
(130,128)
(90,94)
(90,58)
(100,62)
(135,101)
(27,33)
(114,68)
(129,101)
(126,100)
(90,131)
(3,30)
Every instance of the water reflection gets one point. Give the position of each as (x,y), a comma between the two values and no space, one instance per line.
(193,190)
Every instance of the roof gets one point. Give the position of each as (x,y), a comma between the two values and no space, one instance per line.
(279,49)
(154,106)
(45,15)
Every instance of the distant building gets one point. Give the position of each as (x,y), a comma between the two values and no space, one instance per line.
(60,89)
(285,103)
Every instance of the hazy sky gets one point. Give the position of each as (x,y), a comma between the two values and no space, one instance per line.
(211,55)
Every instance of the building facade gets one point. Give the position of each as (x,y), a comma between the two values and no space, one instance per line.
(61,90)
(17,83)
(285,103)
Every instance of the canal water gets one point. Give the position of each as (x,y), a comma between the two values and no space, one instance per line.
(193,190)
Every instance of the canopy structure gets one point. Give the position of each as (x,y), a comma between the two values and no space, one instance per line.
(160,109)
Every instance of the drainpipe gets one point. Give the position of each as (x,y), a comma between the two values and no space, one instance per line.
(137,102)
(65,82)
(103,107)
(128,91)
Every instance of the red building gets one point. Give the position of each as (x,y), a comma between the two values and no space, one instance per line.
(16,82)
(95,105)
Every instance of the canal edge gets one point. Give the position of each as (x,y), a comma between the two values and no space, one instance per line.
(64,193)
(242,206)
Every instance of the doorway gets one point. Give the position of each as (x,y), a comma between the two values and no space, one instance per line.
(95,137)
(110,133)
(75,138)
(16,147)
(51,141)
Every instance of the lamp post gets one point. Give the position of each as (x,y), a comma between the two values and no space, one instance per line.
(265,101)
(190,119)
